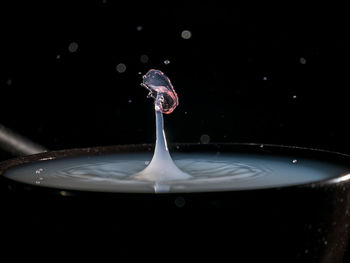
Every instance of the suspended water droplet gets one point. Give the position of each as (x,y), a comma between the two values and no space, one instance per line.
(180,202)
(166,62)
(64,193)
(139,28)
(144,58)
(302,60)
(186,34)
(205,139)
(264,78)
(73,47)
(121,67)
(294,161)
(294,96)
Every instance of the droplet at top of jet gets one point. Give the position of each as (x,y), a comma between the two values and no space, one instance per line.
(160,87)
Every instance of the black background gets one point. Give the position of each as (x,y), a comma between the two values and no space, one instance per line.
(236,76)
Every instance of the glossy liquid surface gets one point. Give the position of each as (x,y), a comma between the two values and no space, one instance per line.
(208,172)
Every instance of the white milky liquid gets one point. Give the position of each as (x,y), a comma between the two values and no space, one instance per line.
(208,172)
(161,167)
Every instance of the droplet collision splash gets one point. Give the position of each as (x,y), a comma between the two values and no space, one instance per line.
(161,90)
(161,167)
(191,172)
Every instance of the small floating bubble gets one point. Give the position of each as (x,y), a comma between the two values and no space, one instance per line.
(121,67)
(180,202)
(261,146)
(37,182)
(205,139)
(294,96)
(294,161)
(64,193)
(186,34)
(302,60)
(139,28)
(73,47)
(58,56)
(146,162)
(166,62)
(144,58)
(9,82)
(264,78)
(130,100)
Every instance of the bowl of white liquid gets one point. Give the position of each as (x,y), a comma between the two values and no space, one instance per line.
(284,203)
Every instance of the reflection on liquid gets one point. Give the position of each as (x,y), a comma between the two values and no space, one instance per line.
(208,172)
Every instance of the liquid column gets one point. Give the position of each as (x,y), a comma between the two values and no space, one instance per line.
(161,168)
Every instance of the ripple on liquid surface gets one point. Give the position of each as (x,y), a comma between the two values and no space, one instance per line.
(115,173)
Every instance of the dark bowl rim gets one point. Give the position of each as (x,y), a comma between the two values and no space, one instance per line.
(112,149)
